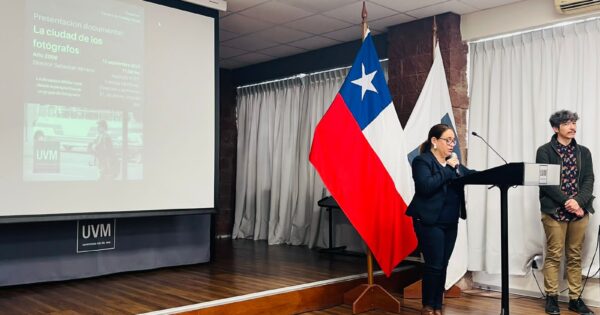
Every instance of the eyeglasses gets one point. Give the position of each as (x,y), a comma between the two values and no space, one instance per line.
(449,141)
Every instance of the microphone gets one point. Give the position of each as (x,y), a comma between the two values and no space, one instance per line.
(457,168)
(489,146)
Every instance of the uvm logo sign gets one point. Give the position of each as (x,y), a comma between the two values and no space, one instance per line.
(95,235)
(46,157)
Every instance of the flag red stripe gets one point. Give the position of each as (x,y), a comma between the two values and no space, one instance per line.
(361,185)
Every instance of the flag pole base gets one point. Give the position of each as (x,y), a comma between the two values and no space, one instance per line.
(366,297)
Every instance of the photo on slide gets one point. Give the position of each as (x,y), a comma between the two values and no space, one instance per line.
(63,143)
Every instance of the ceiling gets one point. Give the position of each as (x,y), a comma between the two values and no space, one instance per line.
(255,31)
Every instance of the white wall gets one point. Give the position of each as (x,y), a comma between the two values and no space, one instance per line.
(519,16)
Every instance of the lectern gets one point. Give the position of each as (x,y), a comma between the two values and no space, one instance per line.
(503,177)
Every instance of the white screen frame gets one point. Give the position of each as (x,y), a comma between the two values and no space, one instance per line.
(147,211)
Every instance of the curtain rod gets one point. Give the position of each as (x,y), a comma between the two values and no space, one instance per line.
(300,76)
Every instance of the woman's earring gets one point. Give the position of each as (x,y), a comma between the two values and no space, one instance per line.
(435,146)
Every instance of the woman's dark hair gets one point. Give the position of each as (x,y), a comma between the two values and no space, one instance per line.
(435,132)
(561,117)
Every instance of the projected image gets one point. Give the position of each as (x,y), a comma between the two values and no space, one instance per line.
(89,66)
(108,106)
(72,143)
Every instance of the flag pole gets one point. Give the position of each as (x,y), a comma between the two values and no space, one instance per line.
(365,29)
(370,296)
(434,27)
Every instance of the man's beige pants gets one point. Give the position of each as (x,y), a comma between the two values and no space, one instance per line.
(563,236)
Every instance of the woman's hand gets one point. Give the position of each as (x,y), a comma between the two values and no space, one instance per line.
(453,161)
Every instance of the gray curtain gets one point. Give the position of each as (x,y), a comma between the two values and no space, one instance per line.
(277,188)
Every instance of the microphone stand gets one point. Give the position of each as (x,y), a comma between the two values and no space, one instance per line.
(490,147)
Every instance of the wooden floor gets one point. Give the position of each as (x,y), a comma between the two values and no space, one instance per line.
(240,267)
(471,302)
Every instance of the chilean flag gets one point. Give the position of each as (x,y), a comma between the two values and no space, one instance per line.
(358,150)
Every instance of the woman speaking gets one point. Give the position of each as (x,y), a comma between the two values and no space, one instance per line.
(435,209)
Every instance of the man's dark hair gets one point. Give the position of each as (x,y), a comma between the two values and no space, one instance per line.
(561,117)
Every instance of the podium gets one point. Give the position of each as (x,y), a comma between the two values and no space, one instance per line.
(503,177)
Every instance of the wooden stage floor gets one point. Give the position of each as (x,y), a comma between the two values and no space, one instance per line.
(239,267)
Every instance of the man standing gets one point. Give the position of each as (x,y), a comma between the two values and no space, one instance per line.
(104,153)
(565,209)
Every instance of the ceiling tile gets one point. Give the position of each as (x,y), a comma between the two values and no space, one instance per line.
(228,52)
(252,58)
(225,35)
(282,51)
(282,34)
(242,25)
(346,35)
(253,31)
(239,5)
(317,6)
(449,6)
(383,24)
(318,24)
(275,12)
(249,42)
(487,4)
(352,13)
(403,6)
(315,42)
(230,64)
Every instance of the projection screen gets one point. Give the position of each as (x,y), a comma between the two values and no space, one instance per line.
(108,107)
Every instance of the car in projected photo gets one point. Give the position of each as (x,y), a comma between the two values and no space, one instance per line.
(76,135)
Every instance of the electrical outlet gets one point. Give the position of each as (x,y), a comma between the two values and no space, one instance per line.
(537,262)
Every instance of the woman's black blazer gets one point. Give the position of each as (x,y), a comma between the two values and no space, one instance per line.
(432,181)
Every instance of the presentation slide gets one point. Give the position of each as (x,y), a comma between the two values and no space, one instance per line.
(107,106)
(84,91)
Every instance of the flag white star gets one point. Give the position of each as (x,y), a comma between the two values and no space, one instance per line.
(365,82)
